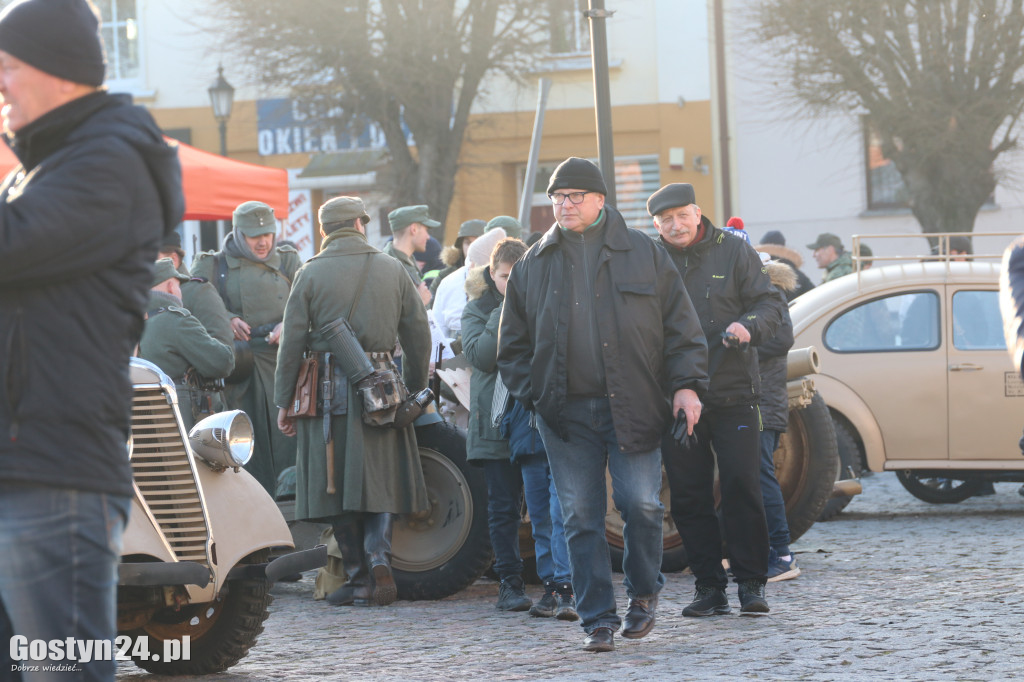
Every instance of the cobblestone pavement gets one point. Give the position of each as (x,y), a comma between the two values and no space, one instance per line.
(894,589)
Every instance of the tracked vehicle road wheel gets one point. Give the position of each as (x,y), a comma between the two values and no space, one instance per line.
(446,548)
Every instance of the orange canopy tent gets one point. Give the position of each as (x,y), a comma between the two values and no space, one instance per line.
(213,185)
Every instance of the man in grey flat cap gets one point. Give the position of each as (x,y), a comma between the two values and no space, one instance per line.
(379,473)
(81,216)
(738,308)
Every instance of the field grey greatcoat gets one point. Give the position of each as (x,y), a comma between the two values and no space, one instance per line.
(376,469)
(257,292)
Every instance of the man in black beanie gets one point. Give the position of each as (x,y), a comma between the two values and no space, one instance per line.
(600,340)
(81,219)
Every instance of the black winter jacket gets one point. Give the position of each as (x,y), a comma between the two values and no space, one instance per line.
(80,223)
(650,338)
(727,283)
(773,354)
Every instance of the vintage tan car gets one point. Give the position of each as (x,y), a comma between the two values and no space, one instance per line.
(197,557)
(915,370)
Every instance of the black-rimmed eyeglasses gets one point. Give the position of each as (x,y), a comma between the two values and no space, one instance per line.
(575,197)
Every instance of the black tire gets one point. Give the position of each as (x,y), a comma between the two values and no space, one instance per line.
(221,632)
(806,465)
(850,459)
(445,549)
(939,489)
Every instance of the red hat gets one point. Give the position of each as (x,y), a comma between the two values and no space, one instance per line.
(735,222)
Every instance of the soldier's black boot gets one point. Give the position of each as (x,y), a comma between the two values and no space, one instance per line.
(377,529)
(348,533)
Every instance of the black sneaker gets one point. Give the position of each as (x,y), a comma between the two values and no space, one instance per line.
(566,603)
(708,601)
(752,601)
(545,608)
(512,595)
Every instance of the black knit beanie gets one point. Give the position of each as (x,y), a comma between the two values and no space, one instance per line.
(577,173)
(59,37)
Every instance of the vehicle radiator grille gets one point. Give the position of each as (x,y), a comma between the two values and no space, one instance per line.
(163,472)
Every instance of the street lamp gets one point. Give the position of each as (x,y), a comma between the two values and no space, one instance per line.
(222,95)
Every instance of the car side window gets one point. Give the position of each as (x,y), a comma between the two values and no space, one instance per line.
(894,323)
(977,324)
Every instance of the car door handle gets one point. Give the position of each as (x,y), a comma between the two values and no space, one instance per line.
(965,367)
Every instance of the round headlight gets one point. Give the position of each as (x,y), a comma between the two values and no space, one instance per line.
(223,440)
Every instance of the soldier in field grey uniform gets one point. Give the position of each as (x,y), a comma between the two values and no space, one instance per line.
(253,276)
(176,341)
(198,295)
(378,468)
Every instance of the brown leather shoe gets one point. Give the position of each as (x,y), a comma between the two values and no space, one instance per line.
(600,639)
(639,617)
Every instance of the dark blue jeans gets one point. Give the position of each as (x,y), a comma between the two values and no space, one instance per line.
(546,519)
(578,469)
(59,551)
(774,503)
(504,513)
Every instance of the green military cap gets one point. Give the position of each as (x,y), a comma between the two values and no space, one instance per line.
(826,239)
(341,209)
(164,270)
(405,216)
(254,218)
(513,228)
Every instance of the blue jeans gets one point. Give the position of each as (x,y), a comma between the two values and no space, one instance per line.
(774,503)
(578,469)
(59,551)
(504,514)
(546,519)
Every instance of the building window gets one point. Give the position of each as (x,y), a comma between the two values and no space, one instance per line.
(884,182)
(570,32)
(120,31)
(636,178)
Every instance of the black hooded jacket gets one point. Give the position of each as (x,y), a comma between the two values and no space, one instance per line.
(80,223)
(727,283)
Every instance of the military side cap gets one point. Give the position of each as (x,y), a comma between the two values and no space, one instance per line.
(164,270)
(826,239)
(341,209)
(513,228)
(254,218)
(673,195)
(403,217)
(472,228)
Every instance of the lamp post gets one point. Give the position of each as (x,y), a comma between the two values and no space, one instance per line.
(222,96)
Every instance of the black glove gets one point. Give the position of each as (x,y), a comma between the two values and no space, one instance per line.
(733,341)
(687,441)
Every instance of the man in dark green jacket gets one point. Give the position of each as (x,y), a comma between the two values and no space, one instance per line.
(738,308)
(599,338)
(829,253)
(378,468)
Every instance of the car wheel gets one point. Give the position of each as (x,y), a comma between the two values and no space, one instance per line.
(220,632)
(806,464)
(938,489)
(437,552)
(849,463)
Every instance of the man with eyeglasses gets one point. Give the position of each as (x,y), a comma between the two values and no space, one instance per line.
(600,340)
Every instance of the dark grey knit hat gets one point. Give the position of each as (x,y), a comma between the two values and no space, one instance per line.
(60,37)
(577,173)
